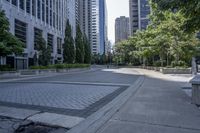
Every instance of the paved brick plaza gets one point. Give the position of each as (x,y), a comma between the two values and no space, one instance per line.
(78,94)
(54,95)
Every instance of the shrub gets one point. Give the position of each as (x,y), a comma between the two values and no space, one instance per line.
(38,67)
(61,66)
(179,64)
(6,68)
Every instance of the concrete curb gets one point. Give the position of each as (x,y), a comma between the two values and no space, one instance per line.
(46,76)
(94,122)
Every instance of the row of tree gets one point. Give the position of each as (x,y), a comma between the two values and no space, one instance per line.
(77,51)
(165,42)
(80,51)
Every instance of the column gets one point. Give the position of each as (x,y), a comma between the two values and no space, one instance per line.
(45,17)
(36,10)
(18,5)
(139,15)
(31,8)
(25,7)
(41,11)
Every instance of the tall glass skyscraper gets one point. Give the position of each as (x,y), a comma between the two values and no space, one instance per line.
(102,25)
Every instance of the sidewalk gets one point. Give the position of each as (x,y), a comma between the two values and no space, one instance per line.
(159,106)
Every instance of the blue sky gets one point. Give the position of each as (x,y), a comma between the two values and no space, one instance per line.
(116,8)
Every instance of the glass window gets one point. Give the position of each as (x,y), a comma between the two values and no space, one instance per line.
(37,34)
(50,41)
(14,2)
(28,6)
(59,45)
(43,10)
(33,7)
(38,9)
(21,4)
(20,30)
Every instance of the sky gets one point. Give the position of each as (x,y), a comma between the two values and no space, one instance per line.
(116,8)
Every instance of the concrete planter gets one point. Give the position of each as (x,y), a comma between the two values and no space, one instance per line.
(71,70)
(47,71)
(9,74)
(61,70)
(29,72)
(37,72)
(176,70)
(156,68)
(196,90)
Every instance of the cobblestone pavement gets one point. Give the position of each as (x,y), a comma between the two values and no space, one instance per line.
(78,94)
(54,95)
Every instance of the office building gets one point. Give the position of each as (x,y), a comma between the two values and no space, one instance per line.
(122,31)
(92,18)
(71,15)
(28,19)
(138,11)
(103,26)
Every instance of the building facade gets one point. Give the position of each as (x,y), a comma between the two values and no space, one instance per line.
(138,11)
(83,16)
(144,11)
(103,26)
(28,19)
(71,15)
(92,18)
(122,31)
(134,16)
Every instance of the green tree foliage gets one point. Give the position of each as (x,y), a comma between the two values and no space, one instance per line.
(68,46)
(44,51)
(100,59)
(164,42)
(9,44)
(80,50)
(87,58)
(189,8)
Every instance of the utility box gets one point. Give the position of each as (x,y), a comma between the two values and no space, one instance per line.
(196,90)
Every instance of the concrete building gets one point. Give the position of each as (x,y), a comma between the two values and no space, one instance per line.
(138,11)
(83,16)
(122,31)
(92,18)
(71,15)
(27,19)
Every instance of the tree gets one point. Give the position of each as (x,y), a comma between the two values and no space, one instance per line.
(87,58)
(164,41)
(68,46)
(189,8)
(80,50)
(44,51)
(9,44)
